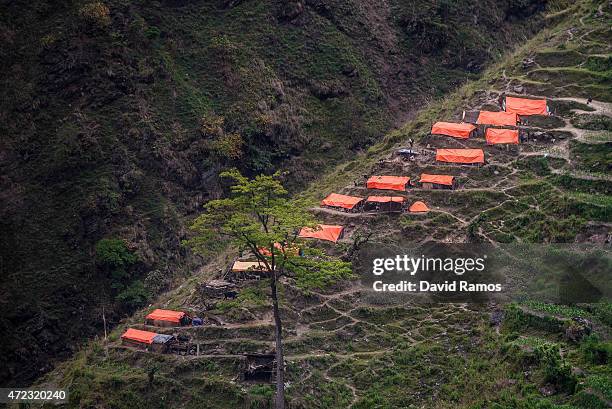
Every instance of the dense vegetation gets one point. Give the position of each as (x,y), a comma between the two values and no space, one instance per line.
(346,348)
(117,116)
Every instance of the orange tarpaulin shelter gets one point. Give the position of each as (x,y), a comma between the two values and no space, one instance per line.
(244,266)
(137,335)
(437,179)
(497,118)
(460,155)
(323,232)
(453,129)
(266,252)
(495,136)
(288,250)
(388,182)
(524,106)
(418,207)
(385,199)
(384,203)
(338,200)
(166,315)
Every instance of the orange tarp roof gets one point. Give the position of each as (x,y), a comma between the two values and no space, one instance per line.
(337,200)
(145,337)
(241,266)
(502,135)
(456,130)
(166,315)
(524,106)
(385,199)
(266,252)
(418,207)
(388,182)
(438,179)
(460,155)
(497,118)
(279,247)
(324,232)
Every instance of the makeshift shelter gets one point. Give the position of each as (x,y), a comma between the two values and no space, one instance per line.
(388,182)
(453,129)
(323,232)
(293,251)
(384,203)
(243,266)
(349,203)
(497,118)
(146,340)
(215,288)
(526,107)
(244,270)
(167,318)
(406,152)
(418,207)
(468,156)
(470,116)
(259,368)
(437,181)
(498,136)
(266,251)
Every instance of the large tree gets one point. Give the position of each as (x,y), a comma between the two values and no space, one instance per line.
(261,218)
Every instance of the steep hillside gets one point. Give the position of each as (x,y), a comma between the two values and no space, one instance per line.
(116,117)
(349,348)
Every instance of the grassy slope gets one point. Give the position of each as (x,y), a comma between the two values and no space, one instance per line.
(108,116)
(397,355)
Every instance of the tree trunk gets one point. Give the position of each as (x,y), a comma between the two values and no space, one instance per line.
(280,360)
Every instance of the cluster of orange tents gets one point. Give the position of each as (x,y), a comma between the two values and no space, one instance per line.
(353,203)
(514,108)
(157,342)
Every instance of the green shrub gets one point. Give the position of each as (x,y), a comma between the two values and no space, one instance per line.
(134,296)
(115,259)
(556,370)
(594,351)
(114,253)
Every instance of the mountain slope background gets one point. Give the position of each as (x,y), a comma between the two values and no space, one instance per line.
(117,116)
(348,348)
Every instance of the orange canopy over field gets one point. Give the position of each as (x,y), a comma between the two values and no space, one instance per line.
(337,200)
(324,232)
(497,118)
(460,155)
(137,335)
(453,129)
(418,207)
(166,315)
(438,179)
(388,182)
(524,106)
(385,199)
(494,136)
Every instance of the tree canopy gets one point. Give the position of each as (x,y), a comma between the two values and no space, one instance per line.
(259,217)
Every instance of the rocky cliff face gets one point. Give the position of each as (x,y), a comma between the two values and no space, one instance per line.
(117,116)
